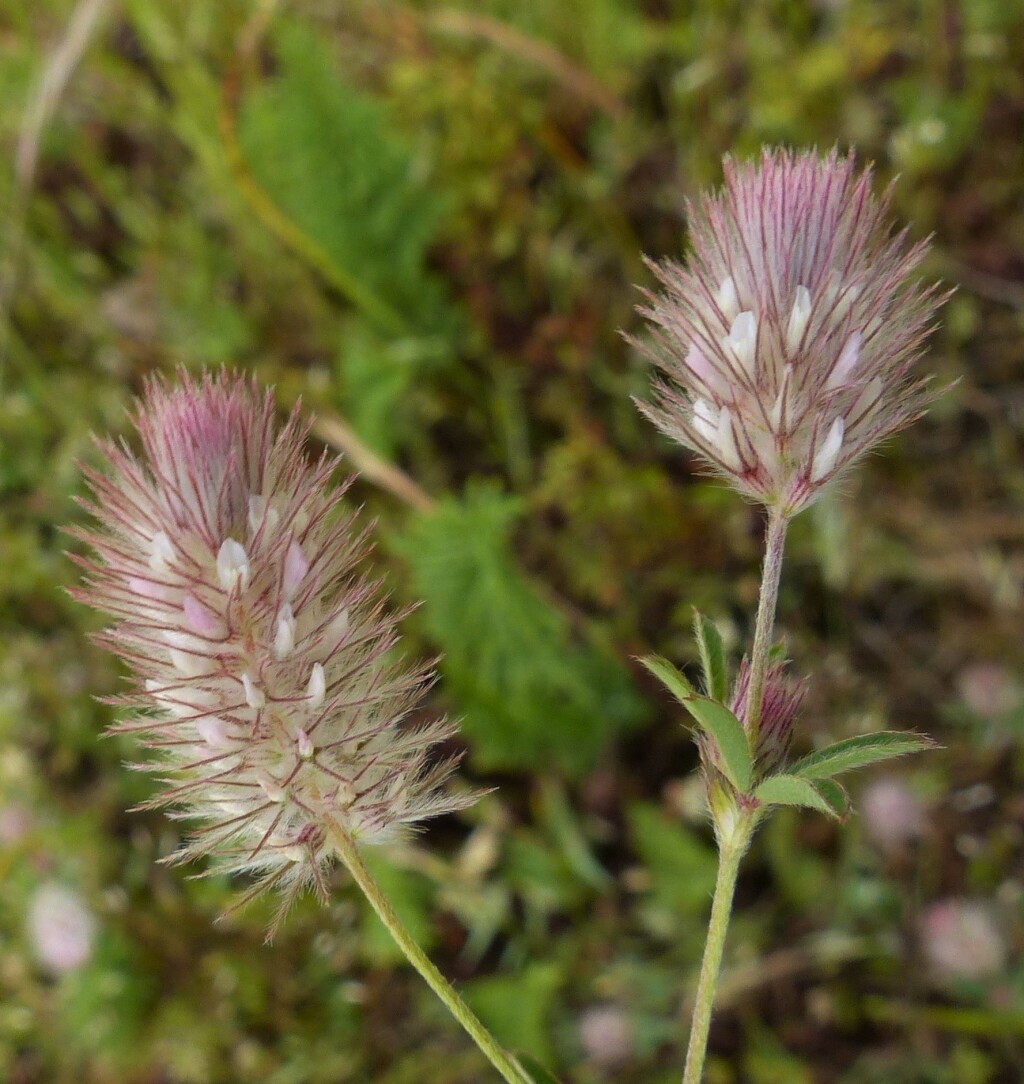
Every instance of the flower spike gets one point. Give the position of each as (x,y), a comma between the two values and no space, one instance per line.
(787,343)
(261,661)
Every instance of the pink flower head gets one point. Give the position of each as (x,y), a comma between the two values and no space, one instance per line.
(788,341)
(262,666)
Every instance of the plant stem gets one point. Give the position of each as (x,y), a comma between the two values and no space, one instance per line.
(775,538)
(499,1058)
(730,853)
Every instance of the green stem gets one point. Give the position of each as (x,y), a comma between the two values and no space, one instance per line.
(499,1058)
(730,853)
(775,539)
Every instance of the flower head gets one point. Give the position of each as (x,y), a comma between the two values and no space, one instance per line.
(788,341)
(261,660)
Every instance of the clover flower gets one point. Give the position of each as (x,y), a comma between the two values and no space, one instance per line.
(261,660)
(788,341)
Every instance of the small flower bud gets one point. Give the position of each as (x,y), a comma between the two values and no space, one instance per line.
(780,704)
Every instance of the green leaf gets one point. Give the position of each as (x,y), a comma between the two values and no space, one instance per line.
(538,1074)
(681,865)
(712,657)
(730,737)
(858,752)
(532,691)
(336,163)
(792,790)
(714,719)
(670,677)
(518,1007)
(835,794)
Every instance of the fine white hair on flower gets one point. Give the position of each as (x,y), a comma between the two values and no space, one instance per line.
(263,674)
(787,342)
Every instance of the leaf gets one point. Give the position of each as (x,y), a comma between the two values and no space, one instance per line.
(518,1007)
(680,864)
(532,692)
(730,737)
(712,657)
(670,677)
(792,790)
(835,794)
(538,1074)
(335,162)
(714,719)
(858,752)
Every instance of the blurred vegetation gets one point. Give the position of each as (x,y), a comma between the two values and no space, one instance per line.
(427,221)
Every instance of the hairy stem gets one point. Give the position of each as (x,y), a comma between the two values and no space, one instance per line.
(730,853)
(499,1058)
(775,538)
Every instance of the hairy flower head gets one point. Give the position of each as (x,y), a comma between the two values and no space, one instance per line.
(788,340)
(260,659)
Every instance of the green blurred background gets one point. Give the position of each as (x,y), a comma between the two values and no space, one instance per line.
(427,221)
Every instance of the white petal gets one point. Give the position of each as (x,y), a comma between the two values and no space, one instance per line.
(705,420)
(295,568)
(284,639)
(725,439)
(339,625)
(306,749)
(161,551)
(197,617)
(798,318)
(317,688)
(698,363)
(727,298)
(780,409)
(232,564)
(187,663)
(847,362)
(214,732)
(254,695)
(273,790)
(828,451)
(742,339)
(262,514)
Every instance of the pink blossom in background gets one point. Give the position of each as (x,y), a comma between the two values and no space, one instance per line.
(787,342)
(962,940)
(606,1036)
(61,929)
(893,815)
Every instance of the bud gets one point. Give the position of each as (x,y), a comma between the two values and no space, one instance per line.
(781,702)
(788,341)
(261,661)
